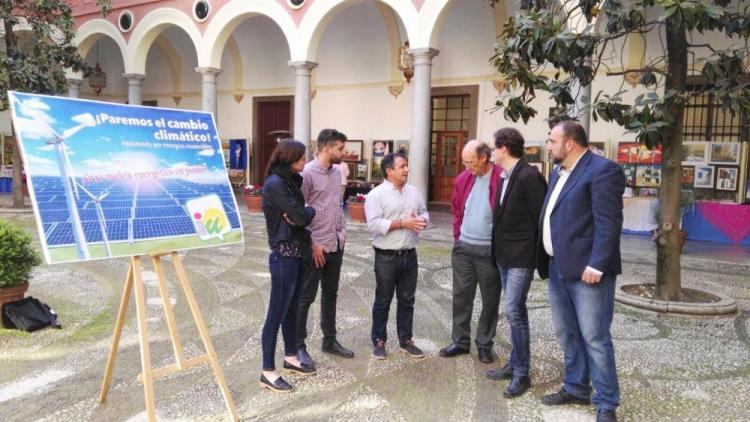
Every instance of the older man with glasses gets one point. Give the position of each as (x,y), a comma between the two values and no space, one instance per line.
(472,205)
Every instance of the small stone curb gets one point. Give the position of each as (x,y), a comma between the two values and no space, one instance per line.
(724,306)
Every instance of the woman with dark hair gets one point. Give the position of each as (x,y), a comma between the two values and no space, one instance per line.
(286,218)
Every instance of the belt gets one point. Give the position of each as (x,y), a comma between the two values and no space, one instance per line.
(395,252)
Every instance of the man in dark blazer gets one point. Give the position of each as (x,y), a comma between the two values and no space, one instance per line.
(515,242)
(581,224)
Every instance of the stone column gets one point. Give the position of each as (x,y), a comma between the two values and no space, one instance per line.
(209,90)
(419,145)
(135,87)
(302,73)
(74,88)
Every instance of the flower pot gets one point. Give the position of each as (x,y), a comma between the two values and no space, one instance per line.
(254,203)
(357,212)
(9,294)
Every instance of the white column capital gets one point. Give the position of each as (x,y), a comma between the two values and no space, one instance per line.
(75,82)
(134,78)
(423,55)
(303,67)
(74,87)
(208,70)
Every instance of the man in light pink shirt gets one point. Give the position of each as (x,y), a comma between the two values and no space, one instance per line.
(320,186)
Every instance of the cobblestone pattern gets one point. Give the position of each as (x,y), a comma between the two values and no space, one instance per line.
(670,368)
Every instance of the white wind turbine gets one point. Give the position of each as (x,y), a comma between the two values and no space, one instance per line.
(97,200)
(66,172)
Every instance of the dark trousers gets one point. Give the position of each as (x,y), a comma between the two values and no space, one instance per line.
(328,278)
(286,276)
(473,265)
(399,274)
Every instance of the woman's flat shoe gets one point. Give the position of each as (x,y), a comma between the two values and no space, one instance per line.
(302,369)
(280,386)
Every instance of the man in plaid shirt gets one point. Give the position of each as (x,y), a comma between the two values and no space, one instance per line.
(320,186)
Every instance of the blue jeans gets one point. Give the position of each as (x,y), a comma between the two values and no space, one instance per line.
(286,281)
(516,283)
(399,274)
(582,314)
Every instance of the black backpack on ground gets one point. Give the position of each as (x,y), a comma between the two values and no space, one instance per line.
(28,314)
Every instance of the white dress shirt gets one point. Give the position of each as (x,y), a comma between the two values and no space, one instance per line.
(383,205)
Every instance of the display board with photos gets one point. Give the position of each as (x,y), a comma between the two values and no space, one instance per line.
(533,154)
(712,169)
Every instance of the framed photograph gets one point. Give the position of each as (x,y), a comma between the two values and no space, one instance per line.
(598,148)
(379,150)
(627,152)
(648,176)
(725,153)
(687,178)
(353,151)
(648,192)
(539,165)
(694,152)
(533,154)
(402,147)
(360,172)
(629,170)
(726,178)
(649,156)
(704,177)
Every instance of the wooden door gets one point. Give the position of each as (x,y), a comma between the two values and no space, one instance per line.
(271,116)
(448,165)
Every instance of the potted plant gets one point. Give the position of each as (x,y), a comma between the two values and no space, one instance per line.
(253,198)
(17,258)
(357,208)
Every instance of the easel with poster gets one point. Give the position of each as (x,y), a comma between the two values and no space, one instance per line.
(156,182)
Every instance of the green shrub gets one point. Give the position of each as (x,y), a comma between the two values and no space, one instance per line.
(17,257)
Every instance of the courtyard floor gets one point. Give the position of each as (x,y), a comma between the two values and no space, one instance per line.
(671,367)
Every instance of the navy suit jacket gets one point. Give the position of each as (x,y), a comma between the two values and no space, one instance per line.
(586,220)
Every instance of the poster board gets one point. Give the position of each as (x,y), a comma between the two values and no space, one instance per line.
(111,180)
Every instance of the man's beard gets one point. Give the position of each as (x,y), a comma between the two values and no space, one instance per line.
(556,160)
(336,160)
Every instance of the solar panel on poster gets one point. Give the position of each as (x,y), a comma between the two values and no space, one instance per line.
(131,214)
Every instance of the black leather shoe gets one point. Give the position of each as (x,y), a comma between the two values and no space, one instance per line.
(517,387)
(452,351)
(606,415)
(335,348)
(563,397)
(485,355)
(501,373)
(302,369)
(279,386)
(305,357)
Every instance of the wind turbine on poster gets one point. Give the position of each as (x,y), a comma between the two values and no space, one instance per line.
(66,174)
(97,200)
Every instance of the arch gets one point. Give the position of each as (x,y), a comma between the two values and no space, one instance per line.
(149,28)
(173,60)
(433,12)
(230,16)
(238,65)
(92,30)
(320,13)
(394,37)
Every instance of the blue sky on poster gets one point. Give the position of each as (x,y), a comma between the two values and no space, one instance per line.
(117,138)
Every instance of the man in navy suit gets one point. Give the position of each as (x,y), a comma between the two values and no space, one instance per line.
(580,230)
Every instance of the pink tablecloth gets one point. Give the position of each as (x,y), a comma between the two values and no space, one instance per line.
(732,220)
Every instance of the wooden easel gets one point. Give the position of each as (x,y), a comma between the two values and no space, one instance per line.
(134,279)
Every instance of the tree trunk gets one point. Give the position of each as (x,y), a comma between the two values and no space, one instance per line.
(17,182)
(10,46)
(668,248)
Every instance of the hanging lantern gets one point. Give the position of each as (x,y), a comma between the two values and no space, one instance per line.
(406,62)
(97,79)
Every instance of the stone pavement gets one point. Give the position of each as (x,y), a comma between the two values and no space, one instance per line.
(671,368)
